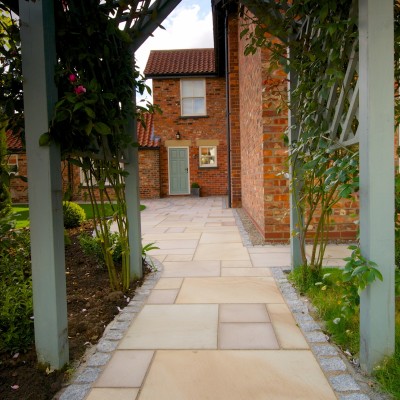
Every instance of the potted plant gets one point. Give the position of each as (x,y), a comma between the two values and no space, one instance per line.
(195,189)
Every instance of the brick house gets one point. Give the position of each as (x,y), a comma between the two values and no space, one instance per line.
(192,126)
(149,167)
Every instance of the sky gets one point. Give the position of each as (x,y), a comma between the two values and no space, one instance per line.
(188,26)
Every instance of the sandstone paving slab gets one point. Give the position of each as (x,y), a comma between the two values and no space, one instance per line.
(270,259)
(173,327)
(287,332)
(216,251)
(169,283)
(229,290)
(235,375)
(125,369)
(211,229)
(171,236)
(243,313)
(179,257)
(236,264)
(220,237)
(166,252)
(113,394)
(246,272)
(178,269)
(268,249)
(166,245)
(166,296)
(247,336)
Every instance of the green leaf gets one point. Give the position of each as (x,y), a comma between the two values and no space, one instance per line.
(89,112)
(44,139)
(102,128)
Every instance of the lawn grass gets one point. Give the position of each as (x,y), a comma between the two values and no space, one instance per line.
(22,213)
(388,373)
(328,301)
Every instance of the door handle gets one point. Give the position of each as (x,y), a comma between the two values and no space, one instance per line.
(187,169)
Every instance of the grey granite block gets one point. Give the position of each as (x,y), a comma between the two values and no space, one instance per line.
(355,396)
(343,383)
(75,392)
(98,359)
(107,346)
(324,350)
(316,336)
(89,375)
(332,364)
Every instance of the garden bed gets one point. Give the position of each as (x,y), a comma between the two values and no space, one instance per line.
(91,307)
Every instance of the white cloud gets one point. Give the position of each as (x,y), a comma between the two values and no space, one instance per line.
(188,26)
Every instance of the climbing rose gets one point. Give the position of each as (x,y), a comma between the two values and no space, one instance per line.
(72,78)
(80,89)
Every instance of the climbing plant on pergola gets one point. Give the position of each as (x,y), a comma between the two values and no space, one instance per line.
(339,57)
(136,19)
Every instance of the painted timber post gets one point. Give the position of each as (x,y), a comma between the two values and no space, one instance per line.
(45,187)
(296,258)
(376,120)
(132,194)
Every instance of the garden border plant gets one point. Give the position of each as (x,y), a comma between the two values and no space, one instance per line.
(97,82)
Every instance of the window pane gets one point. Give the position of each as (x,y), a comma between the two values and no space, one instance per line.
(198,89)
(198,105)
(187,88)
(187,106)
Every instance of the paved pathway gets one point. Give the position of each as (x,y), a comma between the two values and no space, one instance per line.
(216,325)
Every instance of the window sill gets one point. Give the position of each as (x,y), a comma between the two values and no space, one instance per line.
(193,116)
(208,167)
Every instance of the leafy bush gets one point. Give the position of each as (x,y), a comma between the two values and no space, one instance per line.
(91,245)
(74,214)
(16,307)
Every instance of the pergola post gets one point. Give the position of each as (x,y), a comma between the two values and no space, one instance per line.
(376,120)
(132,194)
(45,187)
(296,258)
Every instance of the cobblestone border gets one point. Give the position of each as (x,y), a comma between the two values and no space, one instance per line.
(98,356)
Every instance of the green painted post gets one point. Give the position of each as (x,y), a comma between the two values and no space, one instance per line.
(45,189)
(294,171)
(133,201)
(377,177)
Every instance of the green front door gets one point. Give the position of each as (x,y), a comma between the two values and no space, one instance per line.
(178,170)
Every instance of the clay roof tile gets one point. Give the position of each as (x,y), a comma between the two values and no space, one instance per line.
(180,62)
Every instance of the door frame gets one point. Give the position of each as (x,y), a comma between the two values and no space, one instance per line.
(169,172)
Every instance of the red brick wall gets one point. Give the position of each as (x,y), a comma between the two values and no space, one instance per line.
(149,173)
(251,138)
(276,214)
(234,117)
(149,177)
(265,190)
(19,188)
(166,92)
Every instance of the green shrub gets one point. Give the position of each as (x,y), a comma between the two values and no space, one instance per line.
(16,308)
(74,214)
(91,245)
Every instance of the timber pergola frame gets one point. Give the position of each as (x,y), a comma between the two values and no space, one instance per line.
(139,18)
(371,103)
(376,116)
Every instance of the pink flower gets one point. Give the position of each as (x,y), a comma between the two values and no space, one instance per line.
(80,89)
(72,78)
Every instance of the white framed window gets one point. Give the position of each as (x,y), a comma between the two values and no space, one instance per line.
(208,156)
(100,175)
(193,97)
